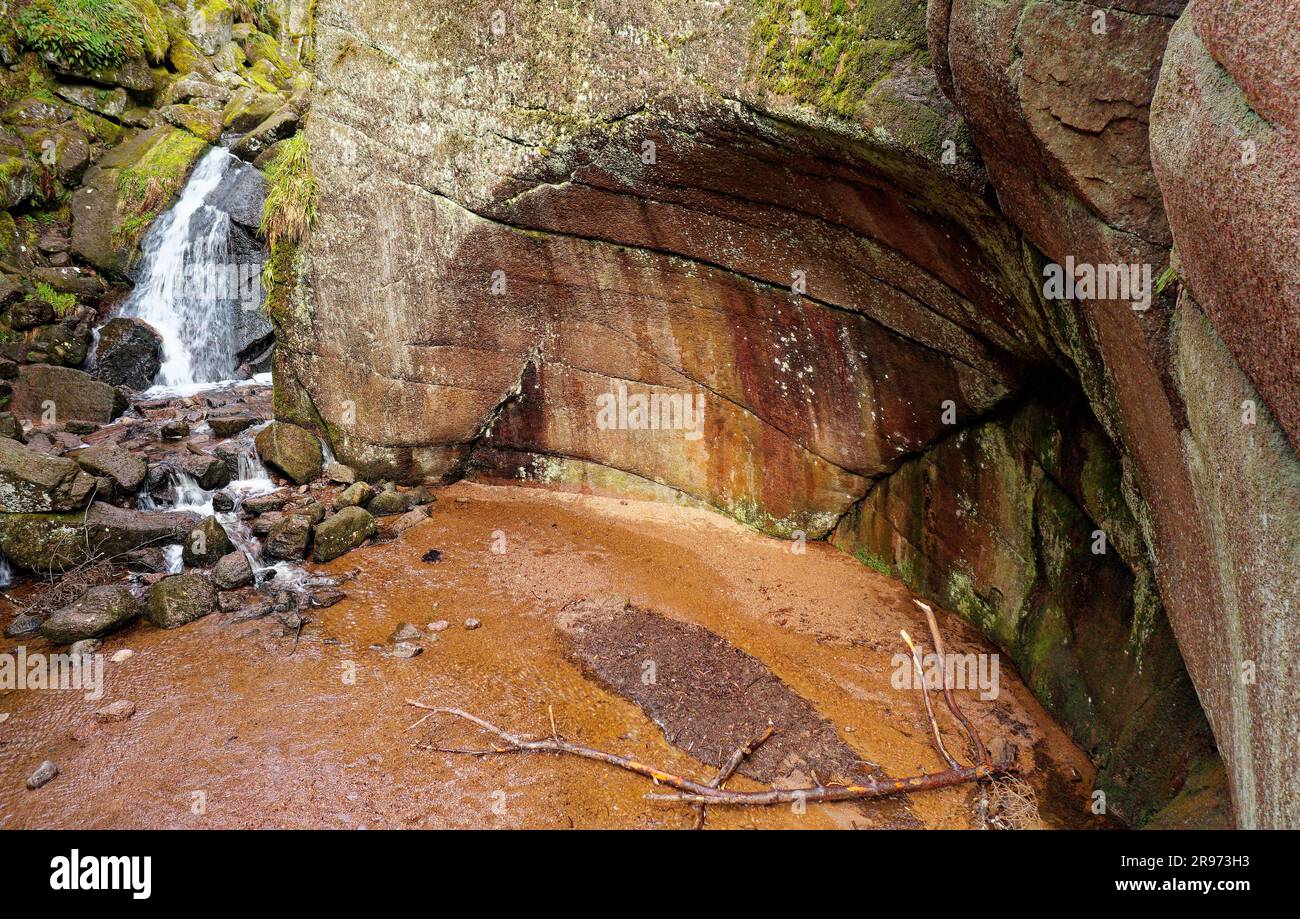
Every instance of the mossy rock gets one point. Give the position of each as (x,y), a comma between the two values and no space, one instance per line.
(180,599)
(201,122)
(294,451)
(121,196)
(341,533)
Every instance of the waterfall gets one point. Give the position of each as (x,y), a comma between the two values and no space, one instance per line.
(191,287)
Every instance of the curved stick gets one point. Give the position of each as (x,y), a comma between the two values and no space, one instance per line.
(981,754)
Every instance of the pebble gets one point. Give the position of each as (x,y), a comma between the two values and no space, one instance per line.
(85,646)
(44,772)
(405,632)
(441,625)
(119,656)
(116,711)
(472,623)
(4,716)
(405,650)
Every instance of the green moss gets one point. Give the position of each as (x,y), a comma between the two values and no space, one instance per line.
(874,562)
(830,53)
(61,302)
(148,185)
(83,33)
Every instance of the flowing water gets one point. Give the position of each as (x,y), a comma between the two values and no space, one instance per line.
(184,289)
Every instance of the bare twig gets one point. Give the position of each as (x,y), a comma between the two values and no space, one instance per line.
(729,769)
(981,754)
(925,697)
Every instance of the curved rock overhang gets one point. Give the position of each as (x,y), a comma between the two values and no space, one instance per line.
(517,226)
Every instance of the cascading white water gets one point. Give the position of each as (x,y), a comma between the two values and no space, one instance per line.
(185,257)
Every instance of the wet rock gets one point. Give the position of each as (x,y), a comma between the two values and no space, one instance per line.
(387,502)
(81,427)
(405,632)
(75,394)
(233,571)
(292,450)
(344,475)
(441,625)
(242,195)
(174,429)
(23,625)
(11,427)
(129,353)
(121,655)
(355,495)
(279,126)
(207,544)
(261,504)
(472,624)
(409,519)
(264,523)
(312,509)
(433,555)
(255,611)
(32,312)
(85,646)
(150,560)
(325,598)
(209,471)
(229,600)
(64,343)
(405,650)
(230,424)
(125,468)
(99,611)
(31,482)
(115,712)
(342,533)
(288,539)
(223,501)
(44,772)
(180,599)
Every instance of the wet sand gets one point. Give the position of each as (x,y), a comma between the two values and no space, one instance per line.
(241,725)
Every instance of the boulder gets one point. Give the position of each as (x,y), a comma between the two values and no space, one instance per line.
(387,502)
(180,599)
(30,313)
(97,612)
(68,393)
(207,544)
(232,571)
(228,424)
(209,25)
(209,471)
(355,495)
(342,533)
(125,468)
(279,126)
(31,482)
(202,122)
(337,472)
(133,74)
(249,107)
(289,537)
(59,541)
(110,102)
(129,353)
(65,343)
(293,450)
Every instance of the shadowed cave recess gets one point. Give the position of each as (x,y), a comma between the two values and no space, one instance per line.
(827,224)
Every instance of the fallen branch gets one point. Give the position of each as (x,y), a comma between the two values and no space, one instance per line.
(981,754)
(729,769)
(692,791)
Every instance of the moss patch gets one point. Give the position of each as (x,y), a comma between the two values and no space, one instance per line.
(148,185)
(83,33)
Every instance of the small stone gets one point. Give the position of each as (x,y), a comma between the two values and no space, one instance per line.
(441,625)
(116,711)
(405,632)
(323,598)
(229,600)
(472,624)
(119,656)
(223,502)
(174,429)
(405,650)
(4,716)
(387,503)
(232,571)
(337,472)
(354,495)
(23,625)
(433,555)
(44,772)
(85,646)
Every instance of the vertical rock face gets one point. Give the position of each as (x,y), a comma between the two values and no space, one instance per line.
(790,265)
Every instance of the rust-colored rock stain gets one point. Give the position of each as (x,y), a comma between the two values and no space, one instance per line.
(235,727)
